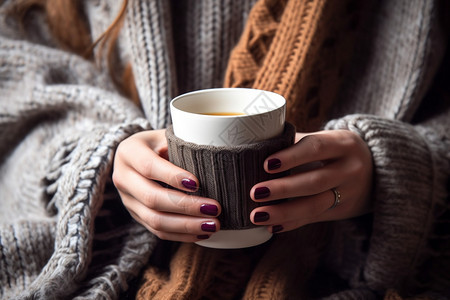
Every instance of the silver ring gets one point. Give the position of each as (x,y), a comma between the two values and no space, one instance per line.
(337,198)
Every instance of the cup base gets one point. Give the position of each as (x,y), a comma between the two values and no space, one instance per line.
(234,239)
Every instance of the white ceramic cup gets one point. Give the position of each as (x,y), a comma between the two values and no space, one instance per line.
(261,116)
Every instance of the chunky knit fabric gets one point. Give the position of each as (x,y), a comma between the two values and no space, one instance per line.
(63,231)
(227,173)
(300,50)
(269,55)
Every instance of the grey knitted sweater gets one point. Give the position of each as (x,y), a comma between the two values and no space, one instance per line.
(63,231)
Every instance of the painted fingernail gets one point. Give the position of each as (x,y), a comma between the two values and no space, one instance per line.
(277,228)
(273,164)
(209,209)
(208,226)
(203,237)
(262,192)
(260,216)
(189,184)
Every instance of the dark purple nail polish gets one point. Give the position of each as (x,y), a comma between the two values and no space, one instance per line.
(277,228)
(262,192)
(209,209)
(261,216)
(209,226)
(273,164)
(203,237)
(189,184)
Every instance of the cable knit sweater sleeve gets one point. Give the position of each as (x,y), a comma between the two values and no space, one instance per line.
(60,121)
(411,167)
(408,135)
(63,231)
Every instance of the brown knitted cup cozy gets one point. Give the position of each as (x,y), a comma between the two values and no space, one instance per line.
(227,173)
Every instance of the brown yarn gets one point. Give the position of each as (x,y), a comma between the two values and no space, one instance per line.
(66,19)
(297,48)
(68,24)
(394,295)
(200,273)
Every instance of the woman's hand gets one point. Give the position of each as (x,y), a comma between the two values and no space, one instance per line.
(319,162)
(140,166)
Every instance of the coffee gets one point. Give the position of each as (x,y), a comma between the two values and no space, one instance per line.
(210,128)
(228,116)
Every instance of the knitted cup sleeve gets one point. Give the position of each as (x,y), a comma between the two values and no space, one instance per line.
(227,173)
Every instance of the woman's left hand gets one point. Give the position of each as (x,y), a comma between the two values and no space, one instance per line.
(325,166)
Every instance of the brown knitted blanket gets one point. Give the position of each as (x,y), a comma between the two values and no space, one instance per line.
(296,48)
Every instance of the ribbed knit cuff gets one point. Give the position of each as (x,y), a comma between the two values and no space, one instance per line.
(227,173)
(404,197)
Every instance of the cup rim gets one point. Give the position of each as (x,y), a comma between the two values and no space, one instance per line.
(193,93)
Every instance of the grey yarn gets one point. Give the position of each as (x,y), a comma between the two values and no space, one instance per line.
(227,173)
(63,231)
(61,119)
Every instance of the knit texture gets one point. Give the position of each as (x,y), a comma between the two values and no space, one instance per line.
(391,254)
(64,233)
(227,173)
(252,64)
(298,49)
(199,35)
(210,274)
(51,195)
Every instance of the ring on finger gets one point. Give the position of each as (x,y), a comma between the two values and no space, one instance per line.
(337,198)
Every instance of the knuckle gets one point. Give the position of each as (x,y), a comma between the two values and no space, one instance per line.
(358,167)
(185,205)
(117,180)
(154,221)
(149,199)
(147,167)
(315,178)
(282,187)
(349,139)
(283,215)
(315,209)
(187,228)
(123,147)
(120,147)
(316,143)
(179,200)
(173,197)
(162,235)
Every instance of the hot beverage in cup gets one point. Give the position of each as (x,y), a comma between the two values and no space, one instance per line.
(223,136)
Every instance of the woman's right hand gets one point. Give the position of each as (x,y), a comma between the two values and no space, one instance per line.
(141,170)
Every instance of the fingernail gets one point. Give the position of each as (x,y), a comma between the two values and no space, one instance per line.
(203,237)
(209,226)
(262,192)
(273,164)
(261,216)
(209,209)
(189,184)
(277,228)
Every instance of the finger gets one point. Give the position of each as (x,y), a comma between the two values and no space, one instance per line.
(174,236)
(178,237)
(301,184)
(151,165)
(300,211)
(178,234)
(173,223)
(320,146)
(153,195)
